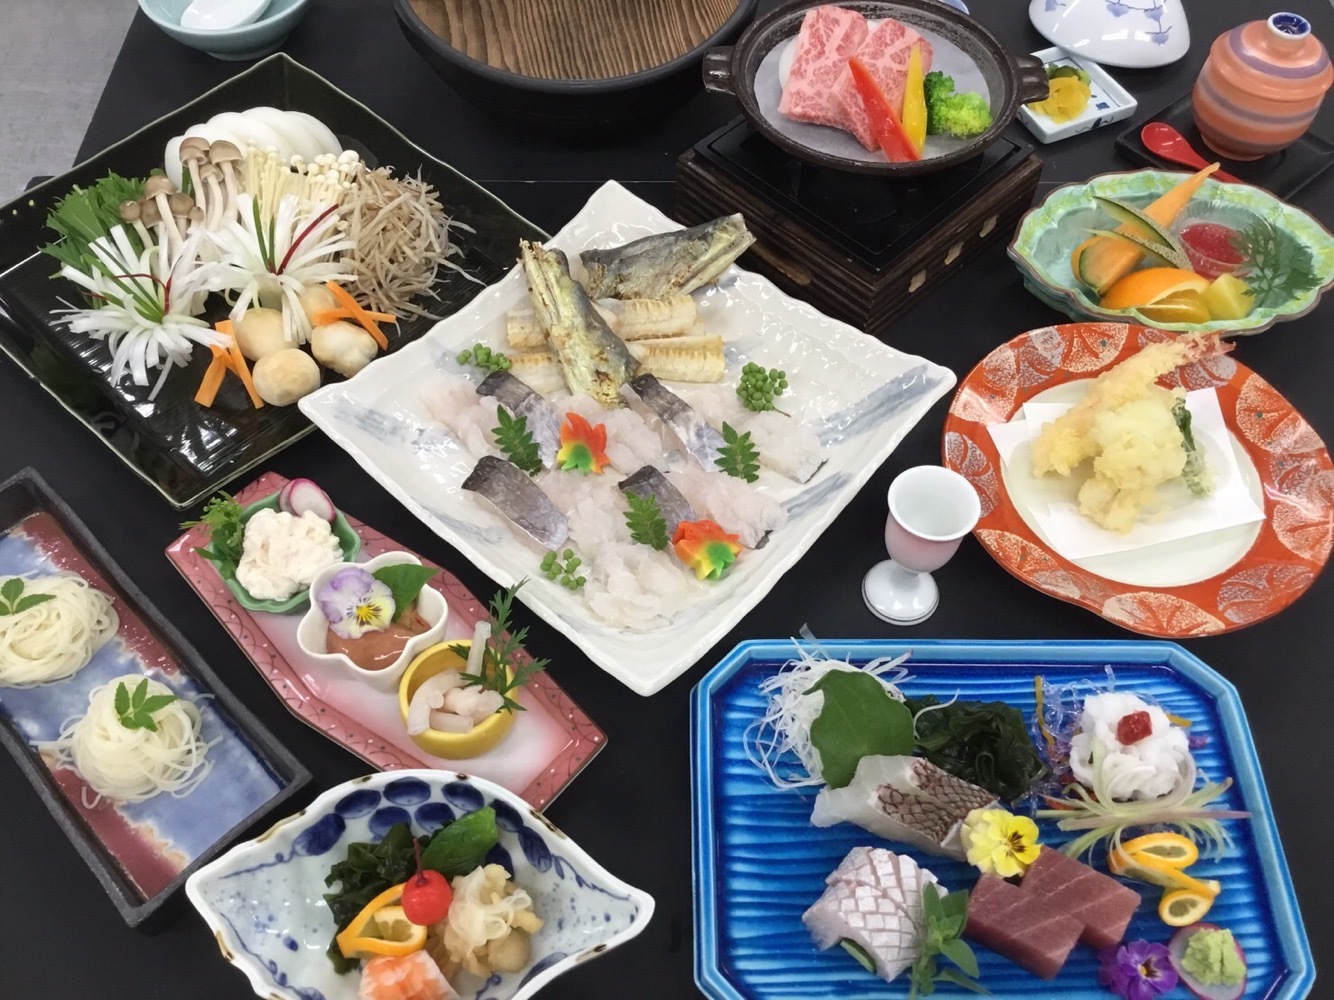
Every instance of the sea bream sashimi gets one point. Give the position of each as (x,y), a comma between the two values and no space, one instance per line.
(873,899)
(907,799)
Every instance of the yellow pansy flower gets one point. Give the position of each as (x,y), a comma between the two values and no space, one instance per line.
(999,842)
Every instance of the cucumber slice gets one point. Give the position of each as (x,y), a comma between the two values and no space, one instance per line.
(862,956)
(1139,223)
(1158,254)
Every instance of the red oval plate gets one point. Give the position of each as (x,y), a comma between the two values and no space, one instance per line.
(1294,466)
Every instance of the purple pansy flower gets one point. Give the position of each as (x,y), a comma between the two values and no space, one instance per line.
(354,603)
(1137,971)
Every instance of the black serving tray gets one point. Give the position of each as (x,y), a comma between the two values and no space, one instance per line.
(1283,173)
(187,451)
(142,853)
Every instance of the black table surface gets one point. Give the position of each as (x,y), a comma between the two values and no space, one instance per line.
(60,935)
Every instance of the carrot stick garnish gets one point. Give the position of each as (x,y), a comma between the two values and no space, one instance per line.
(363,318)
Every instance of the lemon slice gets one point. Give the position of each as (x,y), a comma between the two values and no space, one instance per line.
(1148,868)
(1182,907)
(381,928)
(1170,849)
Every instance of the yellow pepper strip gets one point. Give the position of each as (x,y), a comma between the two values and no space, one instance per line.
(914,101)
(1042,725)
(381,928)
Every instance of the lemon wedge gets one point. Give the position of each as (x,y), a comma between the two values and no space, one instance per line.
(381,928)
(1183,907)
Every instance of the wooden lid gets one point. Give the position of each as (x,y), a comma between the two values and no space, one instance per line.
(574,39)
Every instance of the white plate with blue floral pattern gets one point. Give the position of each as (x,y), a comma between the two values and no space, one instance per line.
(264,900)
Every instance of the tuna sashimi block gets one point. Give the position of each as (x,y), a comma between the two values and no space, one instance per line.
(885,54)
(1034,936)
(829,36)
(1100,903)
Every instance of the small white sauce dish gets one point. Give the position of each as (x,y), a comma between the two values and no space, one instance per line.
(313,631)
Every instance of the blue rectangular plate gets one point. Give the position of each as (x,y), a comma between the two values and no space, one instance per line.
(759,863)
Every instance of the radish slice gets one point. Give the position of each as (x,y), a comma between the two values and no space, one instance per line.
(303,495)
(429,697)
(448,722)
(328,141)
(172,160)
(1176,951)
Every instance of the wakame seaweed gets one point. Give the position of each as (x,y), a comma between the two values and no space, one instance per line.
(986,743)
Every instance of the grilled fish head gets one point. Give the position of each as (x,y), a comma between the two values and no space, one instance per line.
(666,263)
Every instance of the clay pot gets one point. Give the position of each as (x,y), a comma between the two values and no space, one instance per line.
(1261,87)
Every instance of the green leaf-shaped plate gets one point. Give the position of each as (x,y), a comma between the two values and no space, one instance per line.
(1049,232)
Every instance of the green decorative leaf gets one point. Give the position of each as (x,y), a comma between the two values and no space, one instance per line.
(134,709)
(405,581)
(516,441)
(501,670)
(155,702)
(226,532)
(858,719)
(140,693)
(645,521)
(31,601)
(1278,268)
(957,951)
(11,590)
(738,456)
(122,699)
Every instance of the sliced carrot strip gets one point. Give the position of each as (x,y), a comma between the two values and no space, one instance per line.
(333,315)
(363,318)
(213,376)
(238,365)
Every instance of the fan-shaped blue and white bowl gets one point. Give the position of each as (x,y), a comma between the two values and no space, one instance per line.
(263,899)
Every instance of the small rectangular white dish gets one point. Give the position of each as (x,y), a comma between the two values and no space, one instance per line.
(1108,100)
(860,395)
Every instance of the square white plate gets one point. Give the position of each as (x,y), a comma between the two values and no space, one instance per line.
(1108,100)
(859,395)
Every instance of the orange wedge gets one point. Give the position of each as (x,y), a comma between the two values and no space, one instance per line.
(1180,307)
(1150,285)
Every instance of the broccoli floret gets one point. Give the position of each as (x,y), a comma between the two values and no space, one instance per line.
(959,115)
(935,86)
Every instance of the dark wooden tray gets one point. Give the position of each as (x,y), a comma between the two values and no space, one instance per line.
(140,853)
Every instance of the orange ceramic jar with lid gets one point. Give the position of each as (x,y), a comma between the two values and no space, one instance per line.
(1261,87)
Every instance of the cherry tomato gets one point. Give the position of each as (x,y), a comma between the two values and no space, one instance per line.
(1134,727)
(426,898)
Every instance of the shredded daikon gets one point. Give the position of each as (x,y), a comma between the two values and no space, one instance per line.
(56,638)
(785,729)
(131,765)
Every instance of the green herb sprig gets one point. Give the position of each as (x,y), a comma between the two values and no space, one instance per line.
(645,521)
(738,456)
(944,918)
(13,601)
(483,357)
(758,387)
(515,439)
(501,670)
(1277,268)
(405,581)
(135,709)
(563,567)
(222,517)
(88,214)
(858,719)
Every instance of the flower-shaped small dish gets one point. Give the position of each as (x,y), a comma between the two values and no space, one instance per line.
(1108,100)
(313,632)
(264,898)
(348,541)
(452,746)
(1049,233)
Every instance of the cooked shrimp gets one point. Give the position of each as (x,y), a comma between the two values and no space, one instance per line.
(1068,440)
(404,977)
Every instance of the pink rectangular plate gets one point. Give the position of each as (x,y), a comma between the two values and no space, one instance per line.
(551,742)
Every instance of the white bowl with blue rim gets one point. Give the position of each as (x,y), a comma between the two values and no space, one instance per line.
(264,899)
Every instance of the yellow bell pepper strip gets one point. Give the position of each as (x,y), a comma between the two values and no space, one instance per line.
(914,101)
(884,122)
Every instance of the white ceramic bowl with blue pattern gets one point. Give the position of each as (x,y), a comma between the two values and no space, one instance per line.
(264,900)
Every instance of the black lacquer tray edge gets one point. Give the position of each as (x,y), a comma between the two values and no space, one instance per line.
(27,213)
(27,491)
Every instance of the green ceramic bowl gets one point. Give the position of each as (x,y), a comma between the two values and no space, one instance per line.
(348,539)
(1049,232)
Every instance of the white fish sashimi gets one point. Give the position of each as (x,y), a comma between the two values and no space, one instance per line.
(874,899)
(635,587)
(785,444)
(731,502)
(469,417)
(906,799)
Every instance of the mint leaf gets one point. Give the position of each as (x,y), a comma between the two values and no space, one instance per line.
(957,951)
(405,581)
(858,719)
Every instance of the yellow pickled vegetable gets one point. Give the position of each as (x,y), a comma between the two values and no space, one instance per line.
(1066,100)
